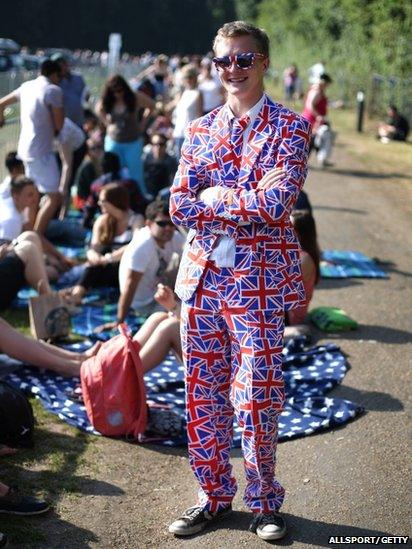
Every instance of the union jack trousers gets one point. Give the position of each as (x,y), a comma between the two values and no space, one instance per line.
(233,366)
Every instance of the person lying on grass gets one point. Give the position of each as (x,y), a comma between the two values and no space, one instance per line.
(41,354)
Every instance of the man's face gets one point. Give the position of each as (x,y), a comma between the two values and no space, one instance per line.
(161,228)
(28,196)
(244,84)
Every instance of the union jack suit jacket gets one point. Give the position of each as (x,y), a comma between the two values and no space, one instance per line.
(267,265)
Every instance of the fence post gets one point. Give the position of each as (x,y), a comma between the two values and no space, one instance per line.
(360,102)
(115,44)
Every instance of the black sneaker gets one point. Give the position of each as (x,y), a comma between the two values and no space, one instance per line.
(268,526)
(14,503)
(195,519)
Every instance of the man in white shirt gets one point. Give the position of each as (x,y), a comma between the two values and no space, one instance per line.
(144,263)
(23,194)
(14,219)
(41,118)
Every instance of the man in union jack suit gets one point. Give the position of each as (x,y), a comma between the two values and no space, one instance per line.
(241,170)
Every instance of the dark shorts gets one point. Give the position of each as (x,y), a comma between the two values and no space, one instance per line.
(11,278)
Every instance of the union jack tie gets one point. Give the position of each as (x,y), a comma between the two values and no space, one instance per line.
(236,140)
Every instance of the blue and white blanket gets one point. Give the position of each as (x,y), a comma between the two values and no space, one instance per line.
(349,264)
(310,373)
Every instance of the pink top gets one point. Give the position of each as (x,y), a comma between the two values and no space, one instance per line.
(297,316)
(321,106)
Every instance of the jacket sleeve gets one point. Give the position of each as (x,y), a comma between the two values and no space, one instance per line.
(263,206)
(185,207)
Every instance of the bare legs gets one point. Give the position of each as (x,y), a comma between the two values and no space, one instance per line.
(40,354)
(29,250)
(149,327)
(52,203)
(158,335)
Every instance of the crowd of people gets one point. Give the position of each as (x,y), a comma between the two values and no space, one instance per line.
(115,163)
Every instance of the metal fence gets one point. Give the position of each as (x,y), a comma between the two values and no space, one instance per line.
(390,90)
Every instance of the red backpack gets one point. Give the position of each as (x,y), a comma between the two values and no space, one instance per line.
(113,389)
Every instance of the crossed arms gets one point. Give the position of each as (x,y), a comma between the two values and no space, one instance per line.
(271,200)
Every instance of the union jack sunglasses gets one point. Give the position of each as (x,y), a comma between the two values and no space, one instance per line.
(242,60)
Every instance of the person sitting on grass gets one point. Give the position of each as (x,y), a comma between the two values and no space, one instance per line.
(396,127)
(16,216)
(304,225)
(150,258)
(112,231)
(15,167)
(89,170)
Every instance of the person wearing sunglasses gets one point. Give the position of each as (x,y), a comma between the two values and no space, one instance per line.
(240,173)
(144,263)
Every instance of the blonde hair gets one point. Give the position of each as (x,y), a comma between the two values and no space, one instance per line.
(241,28)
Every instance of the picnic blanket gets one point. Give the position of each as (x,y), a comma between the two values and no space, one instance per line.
(349,264)
(310,373)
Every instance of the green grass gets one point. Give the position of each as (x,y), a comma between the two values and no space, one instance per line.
(393,158)
(19,318)
(57,465)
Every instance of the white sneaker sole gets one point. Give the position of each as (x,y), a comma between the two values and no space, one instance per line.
(271,536)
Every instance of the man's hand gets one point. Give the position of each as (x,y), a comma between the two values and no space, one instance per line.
(270,178)
(210,194)
(105,327)
(165,297)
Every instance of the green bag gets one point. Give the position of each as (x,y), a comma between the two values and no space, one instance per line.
(331,319)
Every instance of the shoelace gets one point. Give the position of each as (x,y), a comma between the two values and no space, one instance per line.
(262,519)
(193,512)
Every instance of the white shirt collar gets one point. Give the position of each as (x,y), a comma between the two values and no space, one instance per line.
(251,113)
